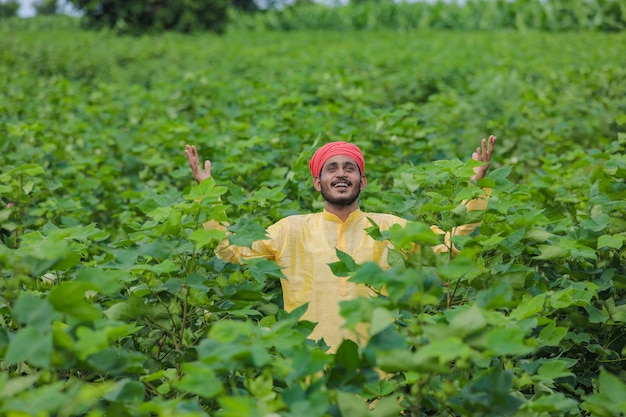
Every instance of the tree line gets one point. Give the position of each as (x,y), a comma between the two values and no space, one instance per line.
(189,16)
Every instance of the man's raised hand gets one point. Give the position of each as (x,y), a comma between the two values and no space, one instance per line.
(483,154)
(194,164)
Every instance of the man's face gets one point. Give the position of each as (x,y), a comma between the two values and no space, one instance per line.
(340,181)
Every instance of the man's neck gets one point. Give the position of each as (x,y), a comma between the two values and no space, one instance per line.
(343,212)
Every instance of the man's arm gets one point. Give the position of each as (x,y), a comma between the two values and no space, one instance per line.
(225,251)
(194,164)
(483,154)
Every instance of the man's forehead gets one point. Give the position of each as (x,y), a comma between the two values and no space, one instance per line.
(340,159)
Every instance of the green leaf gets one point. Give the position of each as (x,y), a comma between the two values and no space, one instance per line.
(34,311)
(414,233)
(206,192)
(246,232)
(551,335)
(538,235)
(351,405)
(553,403)
(106,282)
(69,298)
(554,369)
(460,265)
(387,407)
(444,351)
(381,319)
(529,307)
(490,394)
(499,295)
(549,252)
(345,266)
(609,399)
(611,241)
(27,169)
(31,346)
(508,341)
(465,321)
(204,237)
(126,391)
(347,356)
(199,379)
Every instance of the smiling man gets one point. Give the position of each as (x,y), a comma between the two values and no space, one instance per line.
(304,245)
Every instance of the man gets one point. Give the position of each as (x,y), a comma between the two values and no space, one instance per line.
(304,245)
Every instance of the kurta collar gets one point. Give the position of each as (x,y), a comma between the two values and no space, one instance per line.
(356,214)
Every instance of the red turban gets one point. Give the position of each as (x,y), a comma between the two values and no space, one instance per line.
(331,149)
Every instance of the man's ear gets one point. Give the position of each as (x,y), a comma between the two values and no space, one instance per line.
(317,183)
(363,182)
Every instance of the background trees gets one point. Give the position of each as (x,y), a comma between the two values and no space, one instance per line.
(8,8)
(155,15)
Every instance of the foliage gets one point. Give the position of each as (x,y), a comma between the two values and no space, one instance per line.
(9,8)
(46,7)
(154,16)
(523,15)
(113,303)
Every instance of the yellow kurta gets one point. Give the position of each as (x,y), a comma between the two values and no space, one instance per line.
(304,245)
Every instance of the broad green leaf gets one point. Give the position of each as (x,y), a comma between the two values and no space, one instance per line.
(490,393)
(554,369)
(238,407)
(34,311)
(553,403)
(460,265)
(549,252)
(32,346)
(199,379)
(443,351)
(386,407)
(206,190)
(529,307)
(611,241)
(204,237)
(27,169)
(381,319)
(508,341)
(609,399)
(105,281)
(414,233)
(538,235)
(345,266)
(465,321)
(164,268)
(551,335)
(499,295)
(246,232)
(347,356)
(126,391)
(69,298)
(44,400)
(351,405)
(261,269)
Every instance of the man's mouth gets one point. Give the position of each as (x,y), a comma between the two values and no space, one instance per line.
(341,184)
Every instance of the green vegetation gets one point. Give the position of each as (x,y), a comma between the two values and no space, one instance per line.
(113,303)
(154,16)
(548,15)
(8,8)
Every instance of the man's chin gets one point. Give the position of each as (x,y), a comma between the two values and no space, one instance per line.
(342,200)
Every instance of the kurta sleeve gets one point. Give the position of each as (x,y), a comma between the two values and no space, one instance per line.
(228,252)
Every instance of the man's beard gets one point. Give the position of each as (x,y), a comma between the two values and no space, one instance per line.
(344,200)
